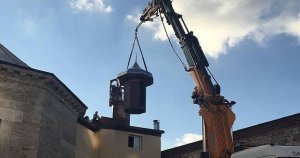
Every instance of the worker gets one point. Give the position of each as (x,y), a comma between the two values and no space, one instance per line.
(96,117)
(87,118)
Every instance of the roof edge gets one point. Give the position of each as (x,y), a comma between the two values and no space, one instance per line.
(10,57)
(97,126)
(47,74)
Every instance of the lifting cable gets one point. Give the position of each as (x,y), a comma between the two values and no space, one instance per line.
(162,21)
(212,76)
(136,39)
(185,68)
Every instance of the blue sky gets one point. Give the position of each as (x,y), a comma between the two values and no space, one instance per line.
(253,51)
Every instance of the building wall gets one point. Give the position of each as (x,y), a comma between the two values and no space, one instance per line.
(194,154)
(37,118)
(286,136)
(109,143)
(87,143)
(57,136)
(19,114)
(191,150)
(150,145)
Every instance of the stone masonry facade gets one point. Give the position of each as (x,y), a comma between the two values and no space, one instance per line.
(38,114)
(283,131)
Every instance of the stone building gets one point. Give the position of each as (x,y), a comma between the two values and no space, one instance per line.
(40,117)
(283,131)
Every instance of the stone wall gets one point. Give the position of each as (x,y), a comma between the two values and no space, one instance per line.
(38,114)
(288,136)
(57,130)
(191,150)
(284,131)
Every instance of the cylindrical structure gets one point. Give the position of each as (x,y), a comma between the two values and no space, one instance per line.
(156,124)
(135,80)
(135,96)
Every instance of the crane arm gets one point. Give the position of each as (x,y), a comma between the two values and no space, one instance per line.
(189,43)
(214,108)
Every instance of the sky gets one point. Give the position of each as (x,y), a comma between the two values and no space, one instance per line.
(253,48)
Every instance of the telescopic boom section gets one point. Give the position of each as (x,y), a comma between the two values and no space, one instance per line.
(214,108)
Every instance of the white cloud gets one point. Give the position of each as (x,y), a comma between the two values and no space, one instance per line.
(221,24)
(188,138)
(155,26)
(29,26)
(91,5)
(134,18)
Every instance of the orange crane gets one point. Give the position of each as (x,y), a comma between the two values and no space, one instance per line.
(214,108)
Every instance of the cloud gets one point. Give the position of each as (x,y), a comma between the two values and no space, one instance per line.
(91,5)
(188,138)
(29,26)
(220,24)
(155,26)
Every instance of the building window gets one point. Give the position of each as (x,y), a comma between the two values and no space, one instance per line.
(135,142)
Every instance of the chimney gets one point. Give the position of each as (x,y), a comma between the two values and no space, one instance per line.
(156,124)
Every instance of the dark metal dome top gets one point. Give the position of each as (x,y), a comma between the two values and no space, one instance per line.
(136,72)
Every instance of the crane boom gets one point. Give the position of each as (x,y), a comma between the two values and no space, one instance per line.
(214,108)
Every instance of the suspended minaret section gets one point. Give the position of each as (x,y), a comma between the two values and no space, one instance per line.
(128,91)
